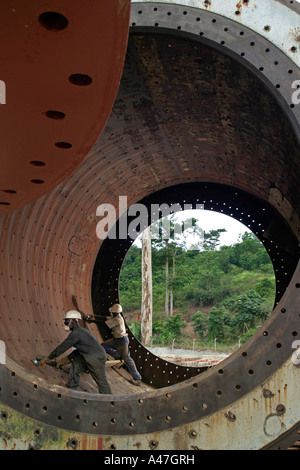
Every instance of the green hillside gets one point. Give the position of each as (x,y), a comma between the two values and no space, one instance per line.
(223,292)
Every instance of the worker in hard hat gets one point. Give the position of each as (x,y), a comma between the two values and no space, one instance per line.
(88,355)
(118,346)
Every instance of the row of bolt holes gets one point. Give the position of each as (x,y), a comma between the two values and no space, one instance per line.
(53,21)
(237,12)
(4,415)
(168,395)
(74,442)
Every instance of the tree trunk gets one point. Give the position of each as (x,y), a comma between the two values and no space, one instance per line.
(146,308)
(167,282)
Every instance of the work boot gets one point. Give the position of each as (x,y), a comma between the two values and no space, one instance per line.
(135,382)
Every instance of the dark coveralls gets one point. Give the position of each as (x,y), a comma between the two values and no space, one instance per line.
(88,356)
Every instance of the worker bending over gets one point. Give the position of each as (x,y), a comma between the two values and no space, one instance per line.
(88,355)
(118,346)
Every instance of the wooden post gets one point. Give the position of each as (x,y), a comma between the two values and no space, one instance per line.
(146,308)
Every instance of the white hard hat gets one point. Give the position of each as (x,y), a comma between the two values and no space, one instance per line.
(116,308)
(73,314)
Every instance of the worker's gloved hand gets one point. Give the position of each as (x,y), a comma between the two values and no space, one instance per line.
(44,361)
(63,362)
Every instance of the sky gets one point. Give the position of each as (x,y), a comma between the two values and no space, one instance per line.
(211,220)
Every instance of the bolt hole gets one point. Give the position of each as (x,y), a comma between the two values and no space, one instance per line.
(37,181)
(37,163)
(63,145)
(80,79)
(55,114)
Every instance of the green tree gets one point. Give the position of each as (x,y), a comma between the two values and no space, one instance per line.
(219,322)
(174,324)
(247,309)
(200,322)
(165,331)
(212,239)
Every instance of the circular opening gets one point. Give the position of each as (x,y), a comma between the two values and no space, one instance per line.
(212,287)
(55,114)
(80,79)
(63,145)
(37,163)
(53,21)
(36,181)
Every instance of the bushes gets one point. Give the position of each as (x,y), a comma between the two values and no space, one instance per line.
(236,318)
(164,331)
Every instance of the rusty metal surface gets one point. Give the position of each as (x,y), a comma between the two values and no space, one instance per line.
(253,212)
(182,116)
(261,416)
(278,21)
(61,65)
